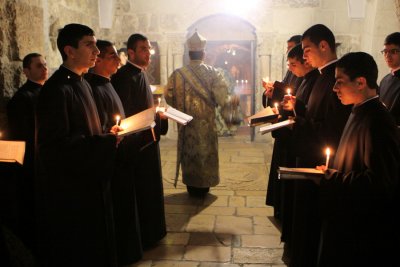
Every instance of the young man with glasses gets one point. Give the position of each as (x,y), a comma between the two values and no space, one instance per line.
(389,88)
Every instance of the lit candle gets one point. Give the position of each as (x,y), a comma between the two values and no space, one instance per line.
(276,107)
(159,101)
(288,92)
(246,81)
(117,120)
(327,152)
(242,81)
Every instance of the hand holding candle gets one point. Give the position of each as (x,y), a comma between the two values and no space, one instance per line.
(328,153)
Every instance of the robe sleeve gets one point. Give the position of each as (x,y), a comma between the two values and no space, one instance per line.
(220,88)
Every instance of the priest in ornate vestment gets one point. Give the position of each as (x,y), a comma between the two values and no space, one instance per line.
(196,89)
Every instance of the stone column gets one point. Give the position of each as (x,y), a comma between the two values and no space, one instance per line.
(163,48)
(173,59)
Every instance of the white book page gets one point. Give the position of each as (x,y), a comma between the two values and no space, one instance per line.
(12,151)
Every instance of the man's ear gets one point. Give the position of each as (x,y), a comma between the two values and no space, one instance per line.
(361,82)
(131,54)
(69,51)
(323,45)
(25,71)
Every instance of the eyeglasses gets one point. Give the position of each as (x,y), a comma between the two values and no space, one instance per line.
(390,51)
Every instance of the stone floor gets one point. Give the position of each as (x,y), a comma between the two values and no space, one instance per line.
(231,227)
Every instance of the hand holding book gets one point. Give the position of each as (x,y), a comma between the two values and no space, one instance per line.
(175,115)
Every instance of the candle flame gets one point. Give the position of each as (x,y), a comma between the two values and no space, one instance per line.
(276,105)
(288,91)
(117,118)
(328,151)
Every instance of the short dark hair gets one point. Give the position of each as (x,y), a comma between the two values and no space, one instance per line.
(26,62)
(133,39)
(70,35)
(196,55)
(393,38)
(318,33)
(359,64)
(296,53)
(295,39)
(102,45)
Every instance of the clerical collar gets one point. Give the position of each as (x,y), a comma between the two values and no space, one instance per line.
(393,71)
(101,76)
(72,74)
(32,82)
(326,65)
(137,66)
(365,101)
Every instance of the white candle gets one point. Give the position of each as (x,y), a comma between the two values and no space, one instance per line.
(288,92)
(117,120)
(276,107)
(159,101)
(327,152)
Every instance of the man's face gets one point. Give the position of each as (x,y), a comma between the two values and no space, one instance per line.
(346,90)
(37,71)
(311,53)
(141,55)
(109,62)
(296,67)
(391,53)
(84,57)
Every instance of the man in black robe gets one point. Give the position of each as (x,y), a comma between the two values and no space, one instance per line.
(389,88)
(321,126)
(21,126)
(132,85)
(122,185)
(300,68)
(360,195)
(75,162)
(274,94)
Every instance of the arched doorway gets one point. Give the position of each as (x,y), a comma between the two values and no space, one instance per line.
(231,47)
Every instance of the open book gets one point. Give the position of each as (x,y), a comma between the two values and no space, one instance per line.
(299,173)
(12,151)
(175,115)
(264,116)
(139,122)
(276,126)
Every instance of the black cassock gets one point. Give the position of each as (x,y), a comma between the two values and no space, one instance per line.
(75,164)
(279,153)
(389,94)
(133,88)
(127,229)
(287,191)
(321,126)
(358,201)
(21,126)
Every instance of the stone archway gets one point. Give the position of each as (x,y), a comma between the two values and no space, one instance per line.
(231,47)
